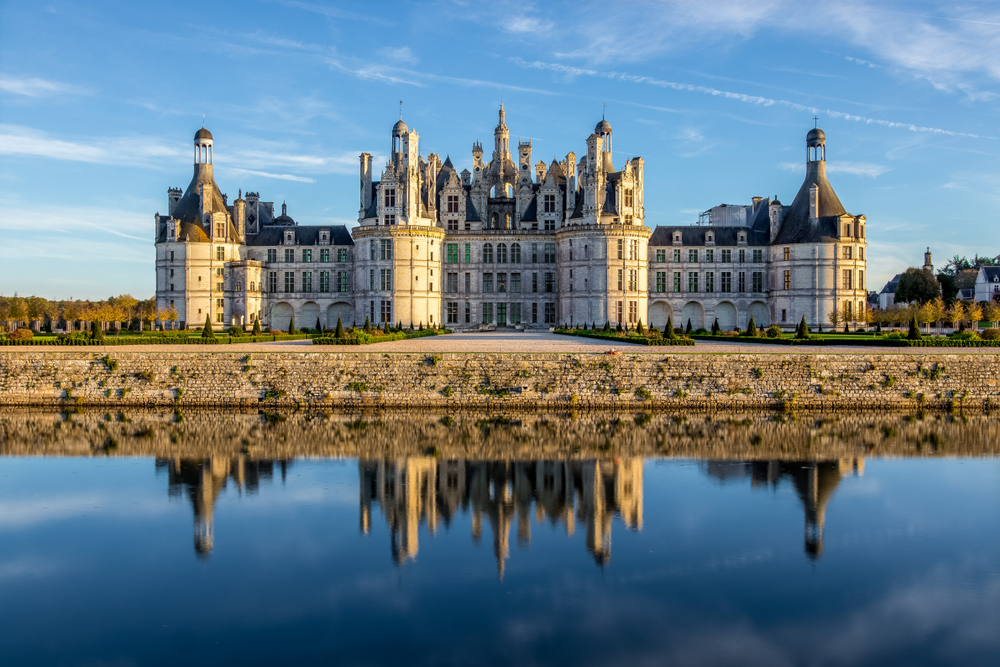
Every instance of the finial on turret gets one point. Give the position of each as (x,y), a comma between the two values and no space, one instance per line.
(401,110)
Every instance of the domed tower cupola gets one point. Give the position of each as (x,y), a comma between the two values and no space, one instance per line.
(399,130)
(203,146)
(603,130)
(501,137)
(816,145)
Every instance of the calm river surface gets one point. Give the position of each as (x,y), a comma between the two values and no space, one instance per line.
(156,538)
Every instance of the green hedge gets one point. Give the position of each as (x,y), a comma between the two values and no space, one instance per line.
(361,338)
(154,340)
(634,339)
(872,342)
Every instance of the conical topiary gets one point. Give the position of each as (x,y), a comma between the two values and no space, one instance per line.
(95,331)
(319,327)
(368,325)
(256,327)
(207,331)
(668,332)
(878,327)
(639,330)
(607,326)
(619,327)
(715,327)
(802,331)
(339,333)
(751,327)
(687,329)
(291,326)
(914,333)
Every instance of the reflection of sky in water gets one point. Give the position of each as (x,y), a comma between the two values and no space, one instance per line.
(882,561)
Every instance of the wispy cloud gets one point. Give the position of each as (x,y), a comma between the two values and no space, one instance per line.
(282,177)
(35,87)
(20,140)
(331,12)
(855,168)
(756,100)
(401,54)
(859,61)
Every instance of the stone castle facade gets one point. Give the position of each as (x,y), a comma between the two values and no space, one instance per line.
(509,244)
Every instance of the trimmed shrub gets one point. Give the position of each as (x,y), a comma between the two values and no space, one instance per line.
(688,328)
(95,331)
(206,331)
(291,326)
(914,332)
(256,327)
(668,331)
(715,327)
(22,334)
(751,327)
(773,331)
(339,333)
(990,334)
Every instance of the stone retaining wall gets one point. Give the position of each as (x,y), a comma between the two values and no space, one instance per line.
(489,381)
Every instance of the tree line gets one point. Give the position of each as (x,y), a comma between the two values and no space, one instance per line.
(115,312)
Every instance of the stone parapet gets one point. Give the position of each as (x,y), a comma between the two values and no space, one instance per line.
(491,381)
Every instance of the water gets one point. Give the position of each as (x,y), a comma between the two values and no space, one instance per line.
(258,539)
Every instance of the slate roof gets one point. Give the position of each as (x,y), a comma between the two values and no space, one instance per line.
(694,235)
(304,235)
(796,226)
(373,207)
(890,287)
(471,214)
(992,273)
(530,212)
(188,209)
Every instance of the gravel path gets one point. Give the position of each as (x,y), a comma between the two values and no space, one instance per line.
(515,343)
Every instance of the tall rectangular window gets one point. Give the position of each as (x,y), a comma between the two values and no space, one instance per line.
(386,311)
(633,280)
(534,253)
(743,255)
(621,282)
(710,281)
(451,312)
(692,256)
(501,282)
(661,255)
(621,248)
(341,254)
(758,256)
(468,282)
(534,282)
(390,198)
(633,311)
(550,282)
(451,253)
(515,313)
(727,256)
(550,313)
(371,280)
(385,246)
(487,282)
(534,313)
(451,282)
(289,255)
(628,198)
(307,281)
(307,255)
(468,253)
(220,254)
(661,281)
(692,281)
(502,314)
(709,255)
(861,279)
(620,312)
(487,313)
(677,281)
(289,281)
(677,255)
(550,252)
(788,280)
(549,224)
(515,283)
(743,281)
(550,203)
(633,249)
(727,281)
(385,279)
(324,255)
(468,313)
(341,281)
(272,285)
(373,254)
(848,252)
(788,254)
(324,281)
(272,255)
(757,284)
(453,208)
(847,279)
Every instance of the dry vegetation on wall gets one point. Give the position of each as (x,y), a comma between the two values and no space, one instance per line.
(506,435)
(116,312)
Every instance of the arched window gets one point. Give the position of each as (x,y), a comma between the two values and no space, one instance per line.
(515,253)
(506,220)
(239,287)
(495,221)
(508,190)
(493,191)
(488,253)
(501,253)
(251,287)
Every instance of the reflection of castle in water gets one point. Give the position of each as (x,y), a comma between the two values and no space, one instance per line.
(814,481)
(204,479)
(410,491)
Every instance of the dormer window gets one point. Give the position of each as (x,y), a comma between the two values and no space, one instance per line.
(677,237)
(743,238)
(390,197)
(289,237)
(324,236)
(710,237)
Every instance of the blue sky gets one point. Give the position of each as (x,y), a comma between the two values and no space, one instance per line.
(99,102)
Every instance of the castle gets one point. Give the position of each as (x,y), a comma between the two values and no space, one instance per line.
(509,244)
